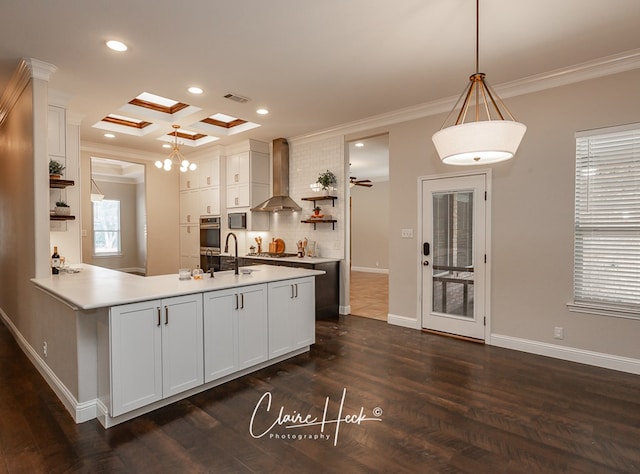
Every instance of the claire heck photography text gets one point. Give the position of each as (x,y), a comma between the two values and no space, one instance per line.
(321,424)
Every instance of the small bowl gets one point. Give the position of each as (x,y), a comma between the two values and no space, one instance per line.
(246,271)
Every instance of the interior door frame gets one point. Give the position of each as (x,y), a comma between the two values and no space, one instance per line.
(486,172)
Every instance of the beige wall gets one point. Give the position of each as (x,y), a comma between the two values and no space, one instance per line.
(532,215)
(370,227)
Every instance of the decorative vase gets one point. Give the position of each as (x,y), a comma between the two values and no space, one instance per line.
(63,211)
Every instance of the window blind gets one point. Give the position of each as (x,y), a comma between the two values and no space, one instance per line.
(607,218)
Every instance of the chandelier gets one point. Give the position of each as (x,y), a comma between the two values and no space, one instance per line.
(175,157)
(493,136)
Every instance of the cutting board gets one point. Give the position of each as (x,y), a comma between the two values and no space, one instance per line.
(279,246)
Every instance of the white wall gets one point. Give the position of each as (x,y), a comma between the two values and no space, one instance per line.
(370,227)
(532,216)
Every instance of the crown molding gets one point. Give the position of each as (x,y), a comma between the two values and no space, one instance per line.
(614,64)
(16,85)
(40,69)
(27,68)
(107,151)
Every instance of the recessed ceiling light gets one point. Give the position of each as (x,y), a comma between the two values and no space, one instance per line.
(109,135)
(262,111)
(195,90)
(359,145)
(117,45)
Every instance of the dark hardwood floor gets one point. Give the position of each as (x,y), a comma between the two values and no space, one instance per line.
(445,406)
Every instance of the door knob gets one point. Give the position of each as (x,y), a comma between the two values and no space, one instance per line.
(425,263)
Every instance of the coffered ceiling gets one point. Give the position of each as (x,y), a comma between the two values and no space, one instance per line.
(313,64)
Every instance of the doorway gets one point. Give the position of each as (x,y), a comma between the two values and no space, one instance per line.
(368,173)
(454,267)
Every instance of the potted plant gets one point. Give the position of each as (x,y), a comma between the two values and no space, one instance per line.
(316,213)
(55,169)
(327,180)
(62,208)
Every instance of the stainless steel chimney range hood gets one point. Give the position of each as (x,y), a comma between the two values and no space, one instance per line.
(280,201)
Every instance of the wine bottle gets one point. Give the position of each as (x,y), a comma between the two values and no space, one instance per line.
(55,261)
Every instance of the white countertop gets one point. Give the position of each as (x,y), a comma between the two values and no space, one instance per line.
(95,287)
(294,259)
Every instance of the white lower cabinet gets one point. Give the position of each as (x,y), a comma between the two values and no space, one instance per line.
(291,315)
(235,330)
(156,350)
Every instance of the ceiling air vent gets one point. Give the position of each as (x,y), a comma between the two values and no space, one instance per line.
(236,98)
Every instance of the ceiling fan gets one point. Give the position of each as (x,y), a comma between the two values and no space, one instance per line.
(353,181)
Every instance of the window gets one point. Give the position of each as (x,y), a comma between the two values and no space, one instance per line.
(106,227)
(607,222)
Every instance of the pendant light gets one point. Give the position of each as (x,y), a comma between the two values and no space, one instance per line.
(493,136)
(175,157)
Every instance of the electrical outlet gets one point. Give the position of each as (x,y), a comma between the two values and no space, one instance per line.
(407,233)
(44,348)
(558,333)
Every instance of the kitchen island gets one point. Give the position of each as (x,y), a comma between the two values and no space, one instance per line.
(121,345)
(327,284)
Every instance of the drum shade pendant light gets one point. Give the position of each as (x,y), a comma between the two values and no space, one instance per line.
(493,136)
(175,157)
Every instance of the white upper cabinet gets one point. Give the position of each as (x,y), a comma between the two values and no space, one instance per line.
(56,133)
(209,172)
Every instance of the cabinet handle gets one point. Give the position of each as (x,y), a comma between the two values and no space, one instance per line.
(209,180)
(188,184)
(235,201)
(188,230)
(236,295)
(208,209)
(188,217)
(292,293)
(241,300)
(158,308)
(296,285)
(236,177)
(166,315)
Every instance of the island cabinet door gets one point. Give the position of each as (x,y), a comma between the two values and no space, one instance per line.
(182,344)
(252,325)
(220,334)
(303,314)
(291,315)
(136,356)
(235,330)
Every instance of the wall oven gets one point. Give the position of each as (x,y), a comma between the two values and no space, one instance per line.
(209,242)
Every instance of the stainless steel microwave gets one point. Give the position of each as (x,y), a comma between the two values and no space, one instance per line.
(237,220)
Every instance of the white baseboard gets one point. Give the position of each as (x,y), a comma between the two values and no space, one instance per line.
(80,412)
(598,359)
(370,269)
(403,321)
(344,310)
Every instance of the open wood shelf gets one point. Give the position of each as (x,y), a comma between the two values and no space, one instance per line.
(320,221)
(60,183)
(53,217)
(321,198)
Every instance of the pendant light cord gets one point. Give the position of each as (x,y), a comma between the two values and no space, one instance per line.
(477,36)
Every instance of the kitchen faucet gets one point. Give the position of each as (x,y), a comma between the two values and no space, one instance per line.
(208,254)
(226,250)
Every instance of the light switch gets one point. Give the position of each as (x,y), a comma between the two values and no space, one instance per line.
(407,233)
